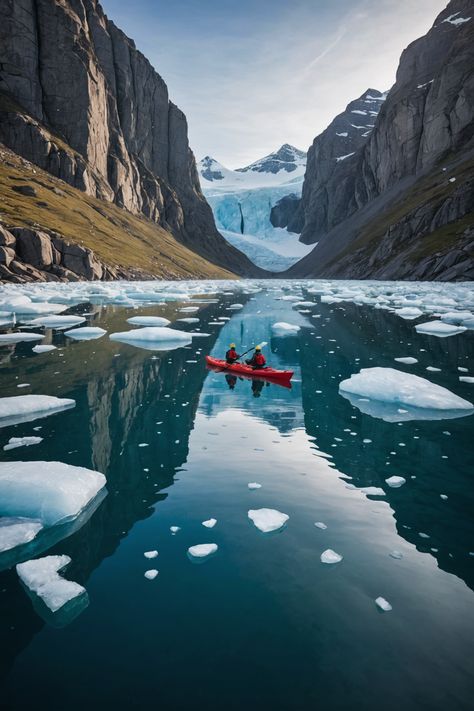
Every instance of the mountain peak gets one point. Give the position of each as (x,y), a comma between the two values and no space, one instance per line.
(286,158)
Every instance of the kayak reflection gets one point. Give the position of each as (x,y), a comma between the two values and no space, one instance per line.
(256,385)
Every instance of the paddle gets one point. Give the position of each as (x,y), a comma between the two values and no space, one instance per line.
(264,343)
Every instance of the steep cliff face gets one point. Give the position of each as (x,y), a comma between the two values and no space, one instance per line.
(402,205)
(80,101)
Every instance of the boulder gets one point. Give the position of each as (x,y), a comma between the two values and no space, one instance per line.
(33,247)
(6,238)
(27,190)
(7,255)
(80,260)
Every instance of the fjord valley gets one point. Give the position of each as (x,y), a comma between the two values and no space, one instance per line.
(237,392)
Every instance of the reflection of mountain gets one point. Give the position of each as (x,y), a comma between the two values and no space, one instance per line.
(119,406)
(368,337)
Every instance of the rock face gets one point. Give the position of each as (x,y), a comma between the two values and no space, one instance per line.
(34,255)
(80,101)
(401,205)
(284,212)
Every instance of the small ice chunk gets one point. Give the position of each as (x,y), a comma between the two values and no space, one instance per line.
(151,574)
(366,441)
(383,604)
(189,319)
(321,525)
(41,576)
(372,491)
(439,328)
(19,337)
(14,442)
(395,481)
(148,321)
(330,557)
(15,531)
(43,349)
(268,520)
(407,360)
(153,338)
(254,485)
(443,496)
(150,554)
(409,312)
(175,529)
(210,523)
(466,379)
(432,369)
(86,333)
(58,322)
(24,408)
(281,328)
(202,550)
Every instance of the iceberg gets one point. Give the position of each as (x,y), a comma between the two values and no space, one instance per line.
(268,520)
(153,338)
(41,576)
(395,481)
(43,349)
(85,333)
(148,321)
(25,408)
(379,392)
(16,531)
(439,328)
(52,492)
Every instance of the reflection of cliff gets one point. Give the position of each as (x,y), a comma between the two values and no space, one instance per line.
(117,409)
(376,338)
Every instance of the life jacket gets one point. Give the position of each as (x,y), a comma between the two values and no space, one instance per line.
(231,355)
(259,360)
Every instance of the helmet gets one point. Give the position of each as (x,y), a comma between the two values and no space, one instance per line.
(258,348)
(232,345)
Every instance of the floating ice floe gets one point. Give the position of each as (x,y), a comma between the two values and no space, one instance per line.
(189,309)
(383,604)
(57,322)
(19,337)
(202,550)
(43,349)
(395,481)
(51,492)
(268,520)
(408,360)
(148,321)
(24,408)
(372,490)
(379,392)
(175,529)
(321,525)
(153,338)
(330,557)
(150,554)
(235,307)
(210,523)
(151,574)
(189,319)
(281,328)
(15,442)
(16,531)
(466,379)
(254,485)
(409,312)
(41,576)
(439,328)
(85,333)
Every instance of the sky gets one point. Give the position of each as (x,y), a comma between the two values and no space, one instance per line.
(251,75)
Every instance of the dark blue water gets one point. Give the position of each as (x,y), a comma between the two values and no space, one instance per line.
(262,623)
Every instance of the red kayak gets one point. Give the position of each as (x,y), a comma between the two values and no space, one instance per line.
(278,376)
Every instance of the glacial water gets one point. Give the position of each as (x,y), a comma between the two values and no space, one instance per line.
(262,623)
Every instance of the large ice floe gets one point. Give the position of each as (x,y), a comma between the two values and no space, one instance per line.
(56,599)
(85,333)
(268,520)
(439,328)
(201,551)
(281,328)
(154,338)
(16,531)
(380,392)
(57,322)
(19,337)
(149,321)
(25,408)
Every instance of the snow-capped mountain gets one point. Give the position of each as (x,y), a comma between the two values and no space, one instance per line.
(242,200)
(285,166)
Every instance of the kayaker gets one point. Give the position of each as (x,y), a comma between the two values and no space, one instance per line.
(231,355)
(258,359)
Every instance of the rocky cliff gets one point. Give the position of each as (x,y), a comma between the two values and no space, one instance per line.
(81,102)
(402,205)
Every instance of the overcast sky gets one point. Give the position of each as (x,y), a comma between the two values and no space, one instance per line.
(251,75)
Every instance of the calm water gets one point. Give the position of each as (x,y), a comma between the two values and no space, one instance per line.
(262,624)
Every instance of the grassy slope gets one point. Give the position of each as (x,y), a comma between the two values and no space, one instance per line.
(116,236)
